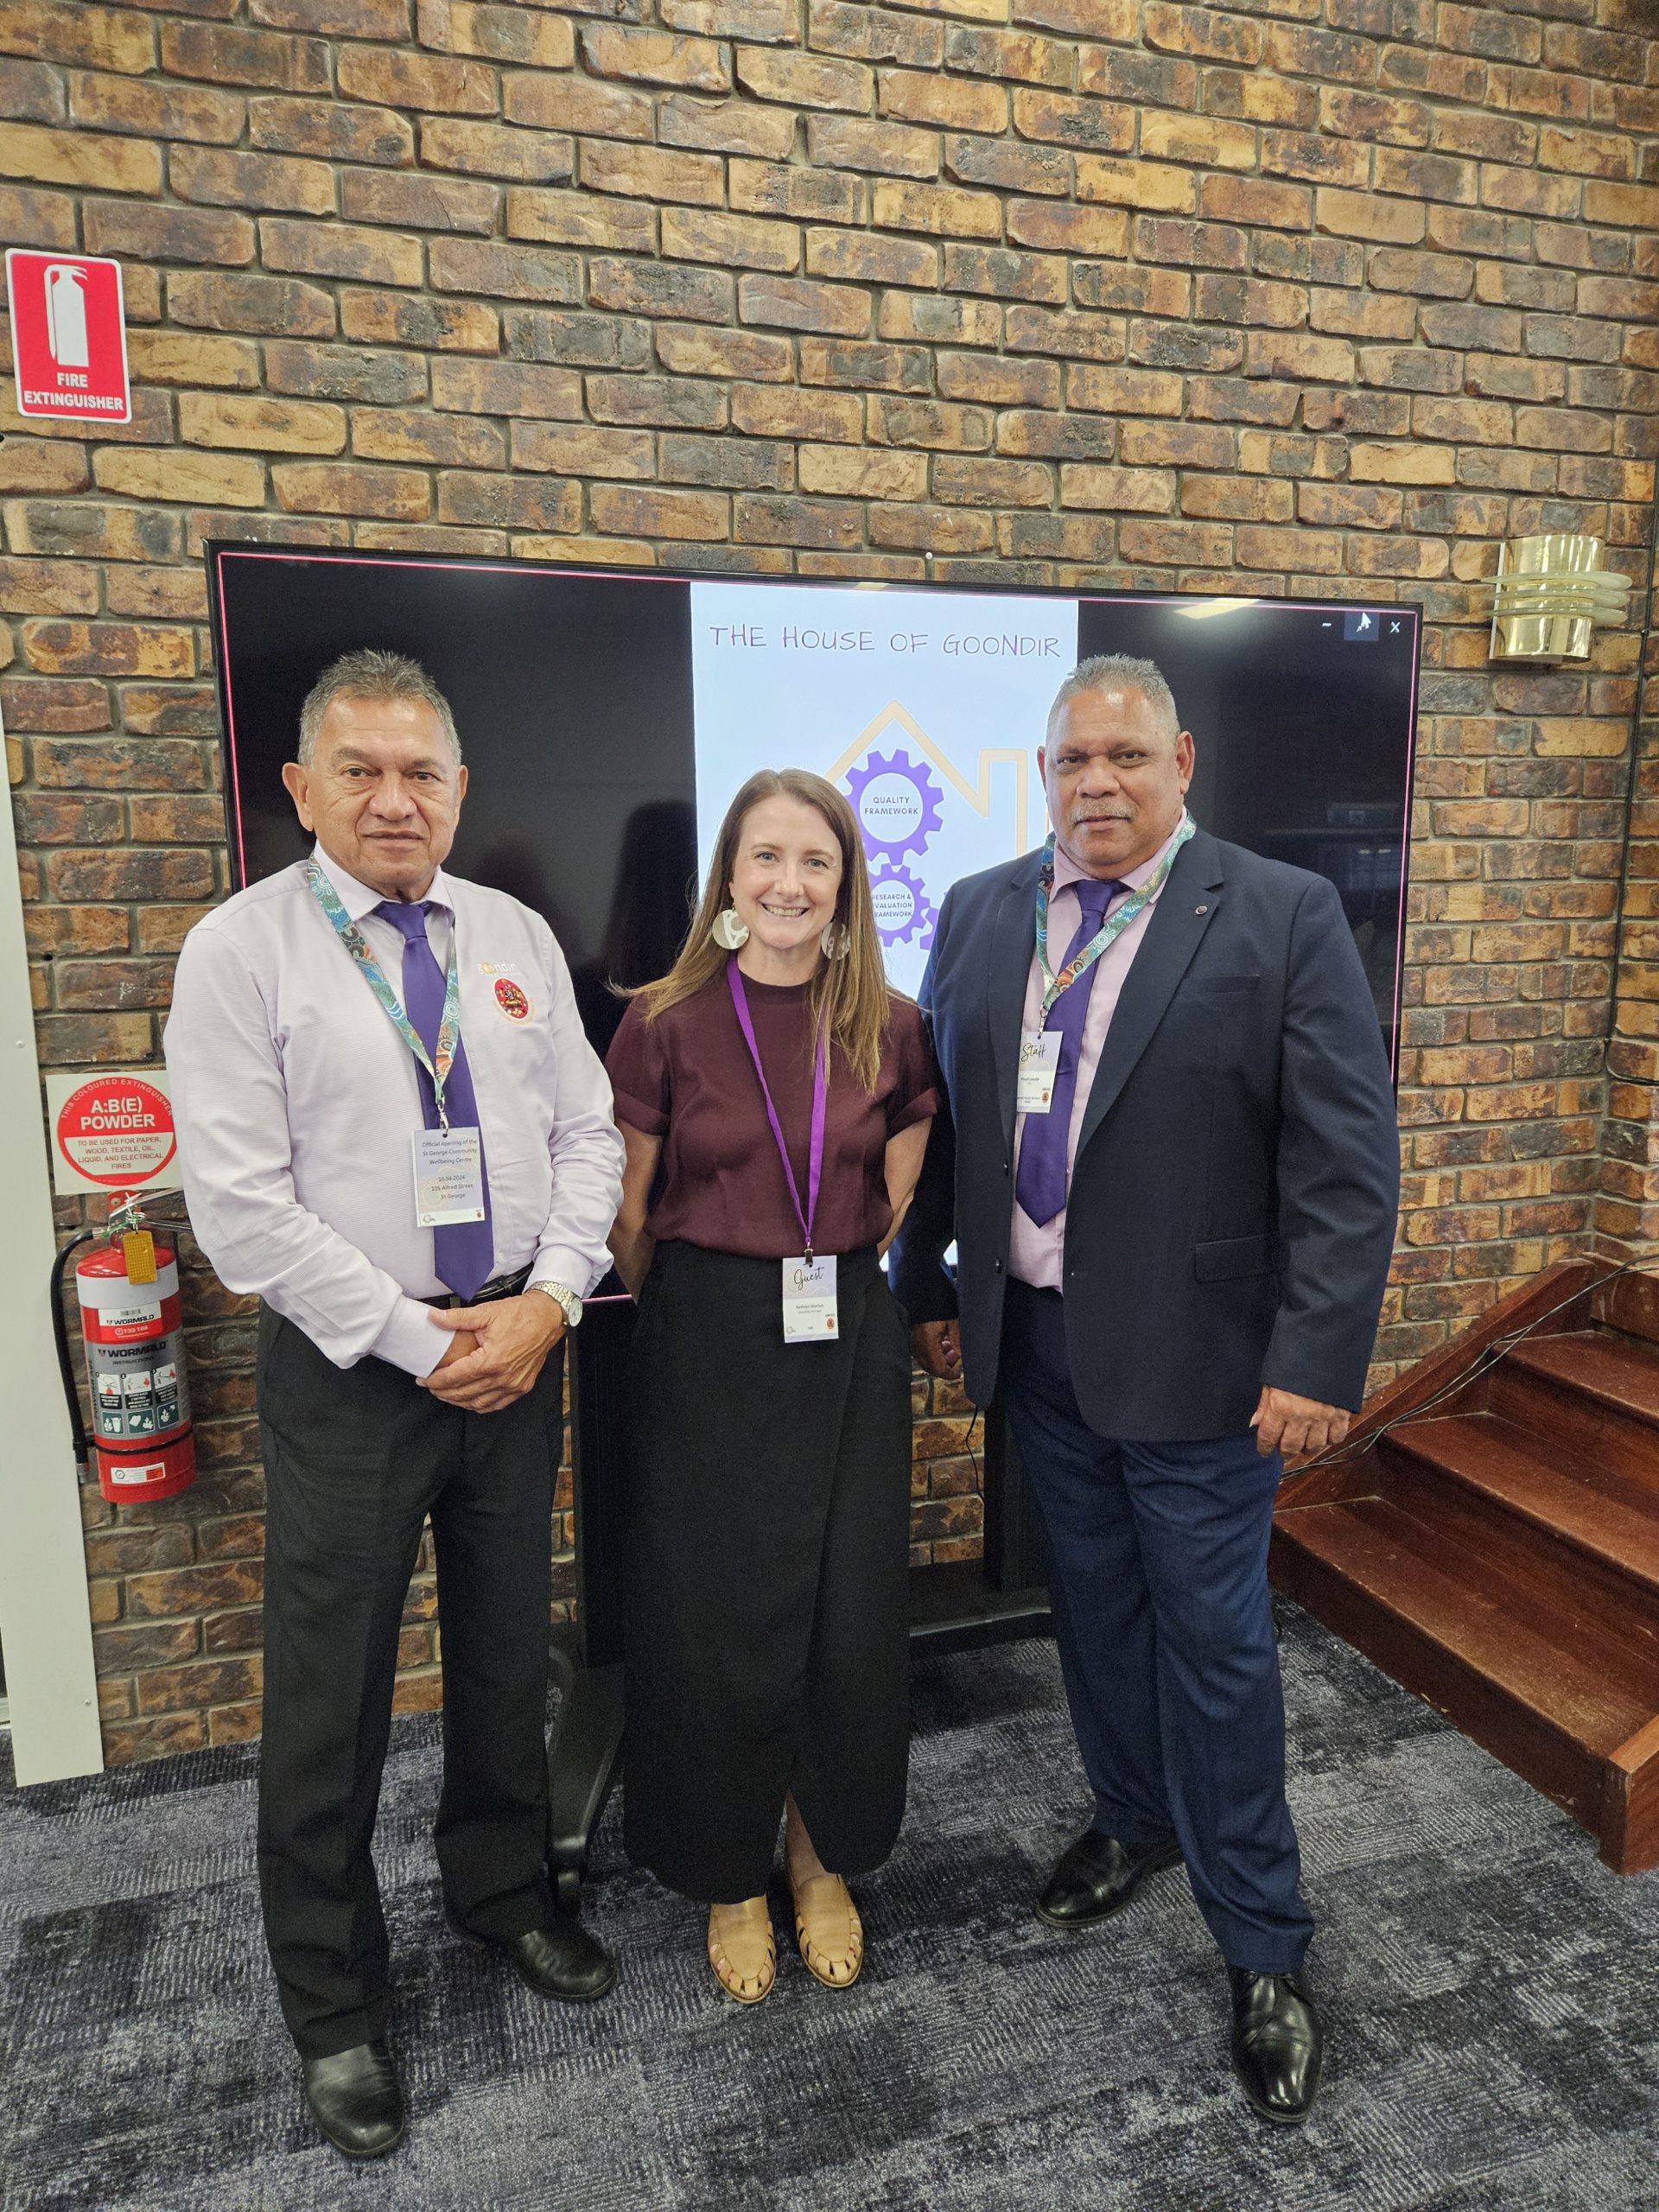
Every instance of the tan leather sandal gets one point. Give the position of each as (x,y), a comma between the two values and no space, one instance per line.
(742,1952)
(828,1931)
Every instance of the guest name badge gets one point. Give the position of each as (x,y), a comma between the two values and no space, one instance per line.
(809,1315)
(1040,1068)
(448,1177)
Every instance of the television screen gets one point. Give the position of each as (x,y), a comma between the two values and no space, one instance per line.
(608,717)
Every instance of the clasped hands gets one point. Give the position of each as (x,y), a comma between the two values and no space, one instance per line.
(497,1351)
(937,1345)
(1283,1421)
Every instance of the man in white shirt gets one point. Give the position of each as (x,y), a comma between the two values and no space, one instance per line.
(393,1129)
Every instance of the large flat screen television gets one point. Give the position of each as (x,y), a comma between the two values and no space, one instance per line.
(608,716)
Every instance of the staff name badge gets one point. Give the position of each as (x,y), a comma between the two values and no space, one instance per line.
(1039,1069)
(810,1310)
(448,1177)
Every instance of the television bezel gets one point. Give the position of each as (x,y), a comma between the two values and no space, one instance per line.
(216,551)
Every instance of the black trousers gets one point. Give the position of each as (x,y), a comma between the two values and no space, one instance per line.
(355,1461)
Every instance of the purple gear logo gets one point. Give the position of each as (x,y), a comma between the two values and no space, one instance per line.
(904,912)
(897,802)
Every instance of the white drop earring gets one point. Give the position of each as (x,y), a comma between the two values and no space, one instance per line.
(837,941)
(730,931)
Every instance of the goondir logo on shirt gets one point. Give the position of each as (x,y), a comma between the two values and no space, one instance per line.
(512,999)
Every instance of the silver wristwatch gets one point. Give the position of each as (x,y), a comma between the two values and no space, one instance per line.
(562,1295)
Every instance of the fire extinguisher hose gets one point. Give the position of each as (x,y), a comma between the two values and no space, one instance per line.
(61,1333)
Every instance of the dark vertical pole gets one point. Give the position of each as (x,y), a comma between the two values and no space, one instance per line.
(587,1747)
(599,1400)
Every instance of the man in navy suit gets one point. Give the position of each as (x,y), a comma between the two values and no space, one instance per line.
(1171,1167)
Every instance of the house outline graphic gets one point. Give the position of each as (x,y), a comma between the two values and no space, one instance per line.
(989,758)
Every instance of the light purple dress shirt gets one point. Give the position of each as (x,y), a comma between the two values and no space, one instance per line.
(1038,1255)
(295,1100)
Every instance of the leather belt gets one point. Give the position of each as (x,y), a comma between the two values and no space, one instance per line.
(503,1287)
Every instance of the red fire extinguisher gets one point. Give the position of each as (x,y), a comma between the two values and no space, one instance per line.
(128,1291)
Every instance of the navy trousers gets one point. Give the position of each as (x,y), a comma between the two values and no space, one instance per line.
(1157,1560)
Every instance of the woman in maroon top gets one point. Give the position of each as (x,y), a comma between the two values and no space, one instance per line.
(775,1097)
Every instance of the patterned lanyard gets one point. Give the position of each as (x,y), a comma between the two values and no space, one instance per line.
(369,968)
(1134,905)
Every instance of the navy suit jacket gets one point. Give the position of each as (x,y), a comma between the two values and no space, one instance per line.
(1232,1211)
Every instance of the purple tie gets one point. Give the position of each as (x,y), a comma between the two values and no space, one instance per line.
(463,1252)
(1041,1184)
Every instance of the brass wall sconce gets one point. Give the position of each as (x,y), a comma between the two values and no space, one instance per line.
(1548,596)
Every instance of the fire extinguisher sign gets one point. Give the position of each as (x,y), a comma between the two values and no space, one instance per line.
(68,336)
(112,1132)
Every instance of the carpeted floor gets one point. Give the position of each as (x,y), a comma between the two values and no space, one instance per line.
(1492,1995)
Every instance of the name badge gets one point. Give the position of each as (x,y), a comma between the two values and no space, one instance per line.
(1040,1068)
(448,1177)
(810,1314)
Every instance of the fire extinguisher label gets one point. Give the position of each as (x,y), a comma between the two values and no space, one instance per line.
(135,1321)
(136,1474)
(165,1382)
(139,1389)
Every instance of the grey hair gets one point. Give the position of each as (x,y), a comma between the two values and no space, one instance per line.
(371,673)
(1114,672)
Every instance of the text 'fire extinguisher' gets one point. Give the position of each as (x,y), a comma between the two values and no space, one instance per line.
(140,1446)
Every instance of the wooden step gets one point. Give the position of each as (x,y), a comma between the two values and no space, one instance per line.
(1435,1618)
(1608,1622)
(1522,1477)
(1602,1428)
(1617,1372)
(1558,1299)
(1497,1552)
(1629,1303)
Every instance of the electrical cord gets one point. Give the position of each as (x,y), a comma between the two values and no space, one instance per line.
(1489,1357)
(1484,1362)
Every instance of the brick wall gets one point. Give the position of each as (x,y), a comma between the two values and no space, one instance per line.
(1291,296)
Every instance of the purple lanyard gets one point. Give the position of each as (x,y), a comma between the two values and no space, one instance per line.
(820,1101)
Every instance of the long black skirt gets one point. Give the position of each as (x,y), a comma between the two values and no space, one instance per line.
(767,1639)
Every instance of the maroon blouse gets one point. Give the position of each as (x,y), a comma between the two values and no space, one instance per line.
(688,1078)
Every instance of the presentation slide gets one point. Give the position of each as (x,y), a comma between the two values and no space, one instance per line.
(926,707)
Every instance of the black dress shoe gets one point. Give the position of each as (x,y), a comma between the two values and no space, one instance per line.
(355,2099)
(1278,2043)
(562,1960)
(1095,1877)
